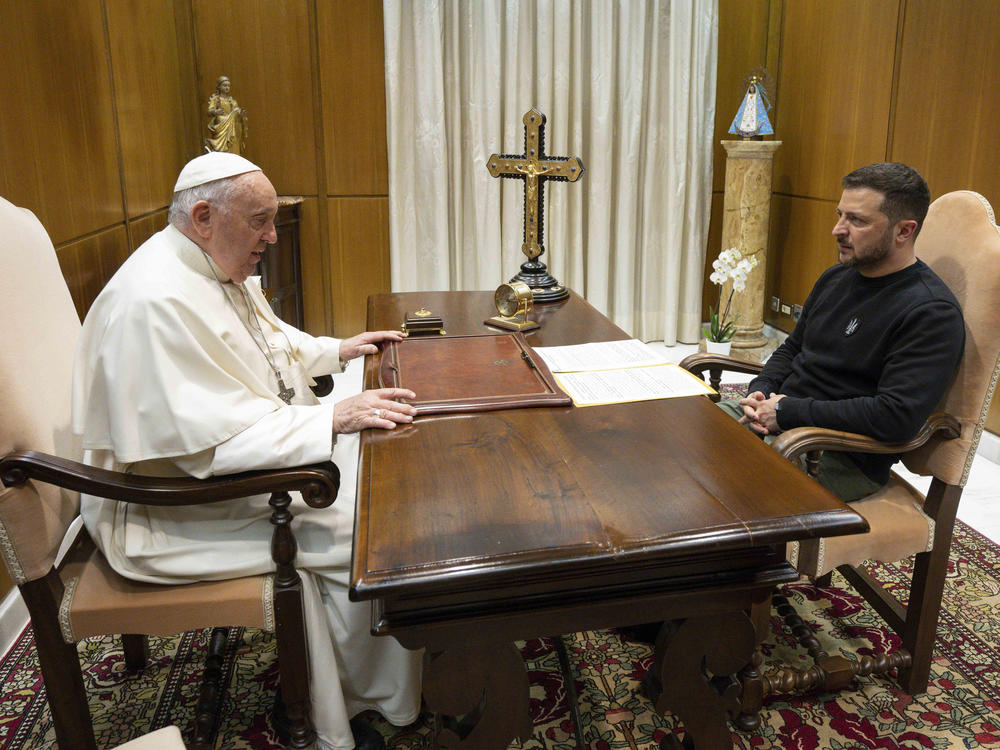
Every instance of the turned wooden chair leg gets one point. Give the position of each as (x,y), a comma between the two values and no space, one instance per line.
(207,712)
(290,626)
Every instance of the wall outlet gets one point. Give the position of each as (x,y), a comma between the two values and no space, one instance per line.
(796,312)
(786,309)
(775,304)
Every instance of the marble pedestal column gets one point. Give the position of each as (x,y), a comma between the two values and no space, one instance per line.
(745,216)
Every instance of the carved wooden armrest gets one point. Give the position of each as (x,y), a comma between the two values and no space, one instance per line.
(318,483)
(701,361)
(813,440)
(715,364)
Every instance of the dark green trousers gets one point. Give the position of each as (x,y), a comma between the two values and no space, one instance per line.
(837,472)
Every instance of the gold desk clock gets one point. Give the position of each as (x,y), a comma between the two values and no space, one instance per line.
(513,302)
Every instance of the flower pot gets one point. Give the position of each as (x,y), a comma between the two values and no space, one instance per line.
(718,347)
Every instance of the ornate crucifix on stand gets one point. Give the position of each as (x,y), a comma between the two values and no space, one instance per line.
(534,168)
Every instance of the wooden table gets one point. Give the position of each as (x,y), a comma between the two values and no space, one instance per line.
(473,531)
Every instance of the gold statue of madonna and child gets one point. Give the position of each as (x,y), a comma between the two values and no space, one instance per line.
(227,125)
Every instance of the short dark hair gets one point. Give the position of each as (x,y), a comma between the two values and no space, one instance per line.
(905,192)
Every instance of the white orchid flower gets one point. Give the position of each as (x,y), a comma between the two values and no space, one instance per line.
(731,264)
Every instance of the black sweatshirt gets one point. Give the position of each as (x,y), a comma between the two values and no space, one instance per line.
(868,355)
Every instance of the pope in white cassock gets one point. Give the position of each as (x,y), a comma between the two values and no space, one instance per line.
(182,368)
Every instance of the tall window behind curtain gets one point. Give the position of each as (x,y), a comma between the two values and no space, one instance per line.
(628,86)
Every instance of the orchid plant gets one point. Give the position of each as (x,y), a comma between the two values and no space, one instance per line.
(731,264)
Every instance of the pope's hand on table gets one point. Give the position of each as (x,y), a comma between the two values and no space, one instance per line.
(366,343)
(375,408)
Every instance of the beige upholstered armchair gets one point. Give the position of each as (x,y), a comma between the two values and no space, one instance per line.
(961,242)
(82,596)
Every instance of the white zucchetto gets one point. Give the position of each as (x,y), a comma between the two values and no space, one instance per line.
(215,165)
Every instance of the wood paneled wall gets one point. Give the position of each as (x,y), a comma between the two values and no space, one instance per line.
(105,100)
(310,75)
(93,132)
(858,82)
(107,103)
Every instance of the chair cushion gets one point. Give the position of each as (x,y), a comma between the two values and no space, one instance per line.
(899,529)
(98,601)
(40,327)
(168,738)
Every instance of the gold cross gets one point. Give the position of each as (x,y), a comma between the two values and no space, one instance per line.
(534,167)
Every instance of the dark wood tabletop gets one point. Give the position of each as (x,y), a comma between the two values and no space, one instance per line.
(476,530)
(521,502)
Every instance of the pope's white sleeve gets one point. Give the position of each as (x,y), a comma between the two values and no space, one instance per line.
(319,355)
(291,436)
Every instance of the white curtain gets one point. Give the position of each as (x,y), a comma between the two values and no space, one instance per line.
(626,85)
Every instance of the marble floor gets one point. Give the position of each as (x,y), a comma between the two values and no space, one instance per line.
(980,505)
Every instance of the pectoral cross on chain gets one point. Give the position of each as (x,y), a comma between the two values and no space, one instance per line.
(535,168)
(285,393)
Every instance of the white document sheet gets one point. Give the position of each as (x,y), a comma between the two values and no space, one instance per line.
(600,355)
(630,384)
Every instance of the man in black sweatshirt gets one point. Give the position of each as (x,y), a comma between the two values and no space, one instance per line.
(879,338)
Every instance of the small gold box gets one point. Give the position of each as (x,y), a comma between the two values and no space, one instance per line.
(422,321)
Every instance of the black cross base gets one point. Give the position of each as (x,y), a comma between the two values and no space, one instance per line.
(544,287)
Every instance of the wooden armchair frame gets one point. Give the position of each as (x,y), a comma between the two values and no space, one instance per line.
(43,596)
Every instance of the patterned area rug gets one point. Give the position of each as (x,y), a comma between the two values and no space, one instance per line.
(960,709)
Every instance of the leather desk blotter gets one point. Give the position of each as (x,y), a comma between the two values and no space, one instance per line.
(470,373)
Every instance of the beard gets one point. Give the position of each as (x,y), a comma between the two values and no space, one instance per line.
(873,256)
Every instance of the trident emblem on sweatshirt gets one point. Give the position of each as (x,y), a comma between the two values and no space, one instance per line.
(851,327)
